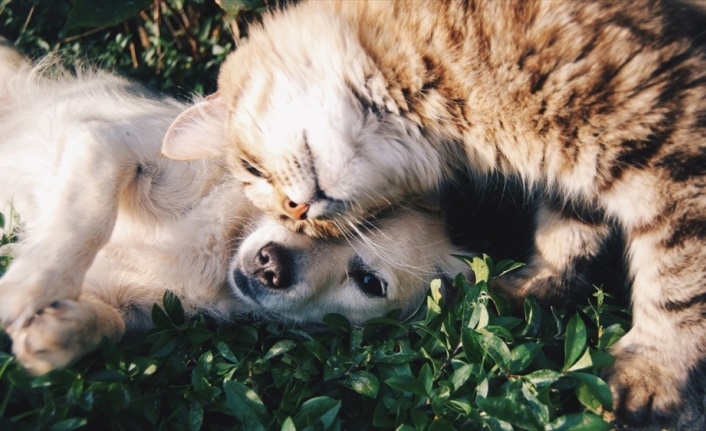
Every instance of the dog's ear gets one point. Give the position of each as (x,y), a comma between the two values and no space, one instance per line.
(198,133)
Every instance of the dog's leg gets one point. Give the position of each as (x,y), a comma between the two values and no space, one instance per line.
(77,219)
(65,331)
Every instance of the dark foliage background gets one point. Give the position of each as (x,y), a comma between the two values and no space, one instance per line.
(172,45)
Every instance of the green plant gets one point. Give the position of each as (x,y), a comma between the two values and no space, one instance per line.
(172,45)
(8,234)
(468,365)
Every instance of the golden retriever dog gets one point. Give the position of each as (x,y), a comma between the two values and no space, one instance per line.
(107,225)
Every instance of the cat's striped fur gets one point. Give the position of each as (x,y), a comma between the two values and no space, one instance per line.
(333,110)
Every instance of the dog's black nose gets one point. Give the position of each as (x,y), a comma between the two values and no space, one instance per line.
(273,266)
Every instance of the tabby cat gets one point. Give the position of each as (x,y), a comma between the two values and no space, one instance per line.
(332,111)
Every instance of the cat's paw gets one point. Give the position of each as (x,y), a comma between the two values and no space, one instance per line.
(547,285)
(645,392)
(55,336)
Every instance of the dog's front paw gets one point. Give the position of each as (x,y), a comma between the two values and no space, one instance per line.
(24,292)
(56,336)
(17,304)
(645,392)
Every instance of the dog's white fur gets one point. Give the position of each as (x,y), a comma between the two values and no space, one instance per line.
(108,225)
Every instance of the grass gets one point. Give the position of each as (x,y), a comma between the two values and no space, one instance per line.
(474,364)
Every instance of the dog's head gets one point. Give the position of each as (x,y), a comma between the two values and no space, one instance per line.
(385,265)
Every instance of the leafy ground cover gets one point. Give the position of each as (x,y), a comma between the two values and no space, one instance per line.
(467,366)
(474,364)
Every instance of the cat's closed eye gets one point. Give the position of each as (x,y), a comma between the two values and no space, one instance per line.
(252,170)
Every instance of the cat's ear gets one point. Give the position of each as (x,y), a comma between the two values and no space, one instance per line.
(198,133)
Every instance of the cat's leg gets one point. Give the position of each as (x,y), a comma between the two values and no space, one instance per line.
(565,248)
(63,332)
(667,342)
(76,220)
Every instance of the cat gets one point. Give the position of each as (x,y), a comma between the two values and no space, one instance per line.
(332,111)
(108,225)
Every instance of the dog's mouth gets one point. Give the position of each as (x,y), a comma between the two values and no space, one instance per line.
(242,284)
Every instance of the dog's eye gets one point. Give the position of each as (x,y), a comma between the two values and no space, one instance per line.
(369,283)
(251,169)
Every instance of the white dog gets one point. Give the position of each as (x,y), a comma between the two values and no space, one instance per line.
(107,225)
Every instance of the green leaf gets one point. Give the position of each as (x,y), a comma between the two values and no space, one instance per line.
(597,388)
(587,398)
(509,410)
(462,374)
(195,416)
(234,7)
(173,307)
(522,356)
(502,305)
(579,422)
(69,424)
(337,321)
(602,359)
(435,288)
(198,335)
(246,405)
(531,395)
(480,269)
(610,336)
(585,361)
(575,342)
(420,419)
(472,348)
(102,13)
(336,366)
(280,348)
(323,409)
(463,406)
(226,352)
(407,384)
(495,348)
(533,316)
(440,424)
(382,417)
(160,318)
(364,383)
(543,378)
(165,344)
(479,315)
(495,424)
(288,425)
(507,322)
(505,266)
(482,389)
(397,353)
(426,378)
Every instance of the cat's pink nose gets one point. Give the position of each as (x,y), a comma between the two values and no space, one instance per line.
(294,210)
